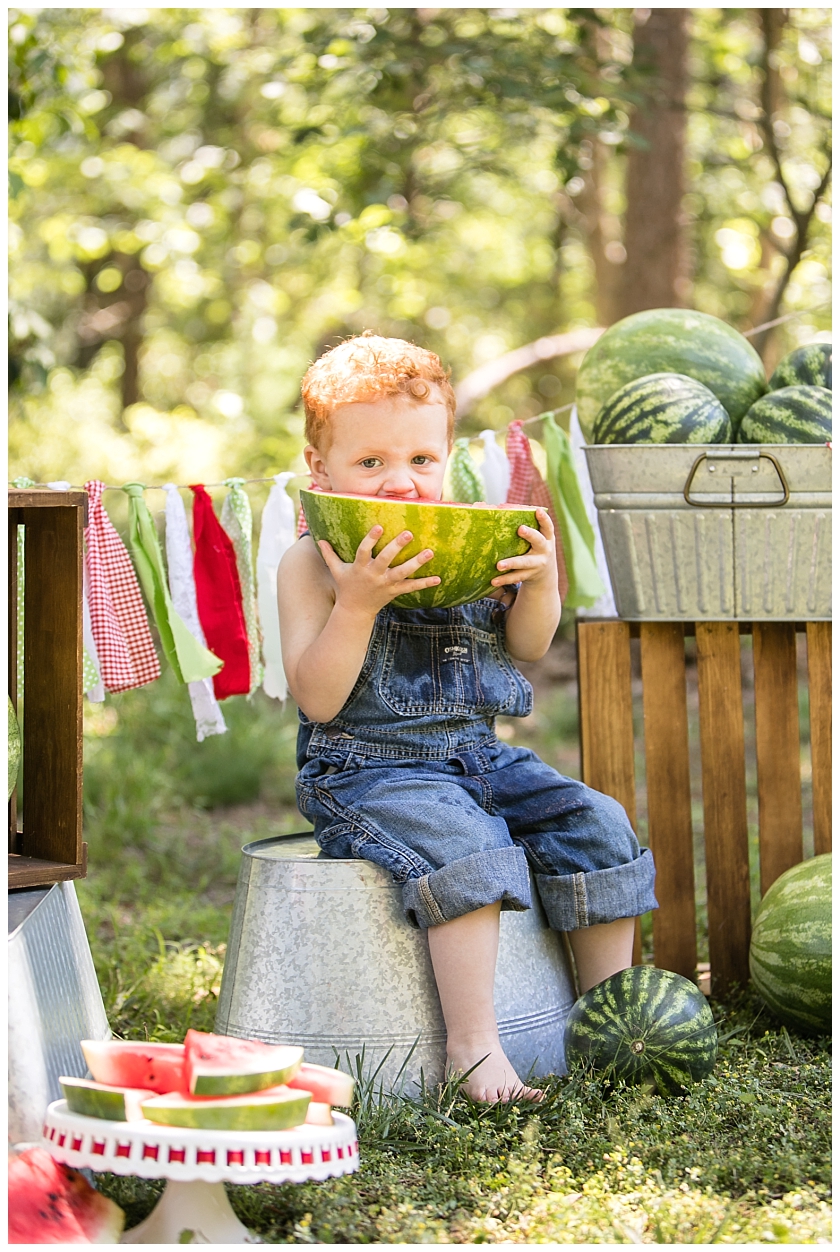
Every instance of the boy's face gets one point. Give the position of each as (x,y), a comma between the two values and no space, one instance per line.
(394,446)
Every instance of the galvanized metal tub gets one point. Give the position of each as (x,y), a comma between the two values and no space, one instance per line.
(716,531)
(320,955)
(54,1002)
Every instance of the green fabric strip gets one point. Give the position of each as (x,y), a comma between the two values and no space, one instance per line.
(189,659)
(90,674)
(467,483)
(239,526)
(585,584)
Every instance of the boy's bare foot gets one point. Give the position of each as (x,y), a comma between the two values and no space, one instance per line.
(492,1081)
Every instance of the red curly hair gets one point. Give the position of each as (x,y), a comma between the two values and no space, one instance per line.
(369,367)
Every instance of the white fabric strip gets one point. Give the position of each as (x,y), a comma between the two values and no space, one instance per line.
(209,719)
(277,534)
(494,469)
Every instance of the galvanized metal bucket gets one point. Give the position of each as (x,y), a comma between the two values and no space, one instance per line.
(716,532)
(54,1002)
(320,955)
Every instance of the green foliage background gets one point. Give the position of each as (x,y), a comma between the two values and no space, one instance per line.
(204,198)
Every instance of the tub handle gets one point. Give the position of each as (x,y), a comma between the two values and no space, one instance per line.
(740,454)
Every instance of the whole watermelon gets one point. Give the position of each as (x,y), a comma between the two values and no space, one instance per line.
(674,341)
(790,949)
(644,1026)
(663,408)
(799,414)
(467,539)
(810,364)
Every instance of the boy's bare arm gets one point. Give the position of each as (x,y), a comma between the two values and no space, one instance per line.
(534,615)
(327,610)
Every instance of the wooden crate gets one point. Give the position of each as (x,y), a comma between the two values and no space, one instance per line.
(607,763)
(45,840)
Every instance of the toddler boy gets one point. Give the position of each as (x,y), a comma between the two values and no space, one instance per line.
(399,762)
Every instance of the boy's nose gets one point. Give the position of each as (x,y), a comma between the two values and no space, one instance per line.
(399,483)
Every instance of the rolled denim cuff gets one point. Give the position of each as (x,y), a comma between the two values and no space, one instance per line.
(574,901)
(468,884)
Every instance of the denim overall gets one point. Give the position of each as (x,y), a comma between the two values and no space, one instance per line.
(410,775)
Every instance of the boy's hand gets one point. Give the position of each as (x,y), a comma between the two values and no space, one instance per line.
(368,583)
(536,566)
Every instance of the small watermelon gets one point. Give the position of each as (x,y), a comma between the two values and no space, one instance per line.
(329,1086)
(125,1063)
(467,539)
(644,1026)
(809,365)
(663,408)
(97,1099)
(279,1110)
(675,341)
(800,414)
(790,949)
(51,1203)
(223,1065)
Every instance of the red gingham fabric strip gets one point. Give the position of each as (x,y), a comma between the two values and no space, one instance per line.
(127,656)
(527,487)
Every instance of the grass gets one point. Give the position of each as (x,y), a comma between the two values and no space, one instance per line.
(744,1158)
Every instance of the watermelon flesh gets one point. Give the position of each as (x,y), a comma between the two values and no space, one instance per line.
(329,1086)
(151,1066)
(467,539)
(279,1109)
(51,1203)
(97,1099)
(223,1065)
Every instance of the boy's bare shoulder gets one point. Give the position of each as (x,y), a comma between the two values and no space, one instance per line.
(302,565)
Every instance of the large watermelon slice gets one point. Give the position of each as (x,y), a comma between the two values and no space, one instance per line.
(277,1110)
(790,949)
(800,414)
(663,408)
(96,1099)
(467,539)
(124,1063)
(51,1203)
(329,1086)
(674,341)
(222,1065)
(809,365)
(644,1026)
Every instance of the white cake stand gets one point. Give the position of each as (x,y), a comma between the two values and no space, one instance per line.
(197,1163)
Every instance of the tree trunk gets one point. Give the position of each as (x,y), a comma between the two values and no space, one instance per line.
(656,269)
(601,243)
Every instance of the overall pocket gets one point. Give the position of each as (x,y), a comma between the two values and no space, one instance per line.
(444,671)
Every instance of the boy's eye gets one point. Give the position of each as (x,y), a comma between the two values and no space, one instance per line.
(420,460)
(370,462)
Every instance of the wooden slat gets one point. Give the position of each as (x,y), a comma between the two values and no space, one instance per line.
(777,749)
(669,795)
(12,650)
(29,871)
(819,690)
(724,801)
(606,718)
(52,724)
(45,498)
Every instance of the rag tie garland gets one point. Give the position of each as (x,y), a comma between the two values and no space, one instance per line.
(219,598)
(277,534)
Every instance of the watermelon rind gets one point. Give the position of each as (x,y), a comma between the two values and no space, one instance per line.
(800,414)
(790,948)
(97,1099)
(222,1065)
(674,341)
(644,1026)
(809,365)
(129,1063)
(663,408)
(51,1203)
(467,540)
(332,1086)
(278,1110)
